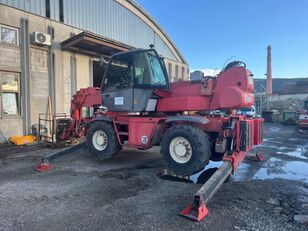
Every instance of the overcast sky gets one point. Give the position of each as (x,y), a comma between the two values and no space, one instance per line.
(209,32)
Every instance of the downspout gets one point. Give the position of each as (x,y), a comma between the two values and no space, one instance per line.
(25,75)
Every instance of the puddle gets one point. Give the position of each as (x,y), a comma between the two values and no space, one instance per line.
(273,141)
(291,170)
(274,129)
(298,152)
(272,169)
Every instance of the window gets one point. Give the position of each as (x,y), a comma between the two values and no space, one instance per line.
(47,3)
(10,93)
(183,72)
(142,74)
(170,70)
(61,7)
(176,72)
(139,69)
(158,75)
(119,72)
(9,35)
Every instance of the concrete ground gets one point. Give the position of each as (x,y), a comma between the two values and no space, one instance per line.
(124,192)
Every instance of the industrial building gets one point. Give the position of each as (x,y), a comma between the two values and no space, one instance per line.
(51,48)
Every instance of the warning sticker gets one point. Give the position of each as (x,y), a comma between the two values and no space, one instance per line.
(118,100)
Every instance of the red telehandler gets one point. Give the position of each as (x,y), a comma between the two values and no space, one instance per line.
(144,110)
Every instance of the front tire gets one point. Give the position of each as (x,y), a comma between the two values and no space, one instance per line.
(102,140)
(185,149)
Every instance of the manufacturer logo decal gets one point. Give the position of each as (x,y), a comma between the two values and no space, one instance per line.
(144,139)
(248,99)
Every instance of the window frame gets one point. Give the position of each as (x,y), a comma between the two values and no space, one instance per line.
(148,65)
(17,36)
(18,92)
(47,8)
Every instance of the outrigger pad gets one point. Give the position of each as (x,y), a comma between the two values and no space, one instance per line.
(196,214)
(257,157)
(43,167)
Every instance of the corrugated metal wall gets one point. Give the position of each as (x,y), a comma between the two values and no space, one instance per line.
(104,17)
(54,10)
(33,6)
(112,20)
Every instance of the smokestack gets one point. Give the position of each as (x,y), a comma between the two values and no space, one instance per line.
(269,88)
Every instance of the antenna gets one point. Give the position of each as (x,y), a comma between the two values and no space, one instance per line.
(227,62)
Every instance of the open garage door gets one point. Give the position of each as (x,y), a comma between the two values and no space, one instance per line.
(98,73)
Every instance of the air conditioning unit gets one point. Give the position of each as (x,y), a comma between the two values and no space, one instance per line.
(42,39)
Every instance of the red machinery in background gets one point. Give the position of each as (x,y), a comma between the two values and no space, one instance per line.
(303,117)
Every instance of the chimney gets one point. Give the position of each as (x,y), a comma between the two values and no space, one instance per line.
(269,88)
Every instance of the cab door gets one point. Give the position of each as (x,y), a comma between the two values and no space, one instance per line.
(116,87)
(130,79)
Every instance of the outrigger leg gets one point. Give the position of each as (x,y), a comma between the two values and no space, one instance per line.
(198,210)
(45,163)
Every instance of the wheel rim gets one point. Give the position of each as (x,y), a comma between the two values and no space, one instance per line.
(100,140)
(180,150)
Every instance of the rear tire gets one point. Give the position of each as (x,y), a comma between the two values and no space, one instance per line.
(102,140)
(185,149)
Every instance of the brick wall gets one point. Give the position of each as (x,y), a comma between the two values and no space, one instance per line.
(38,60)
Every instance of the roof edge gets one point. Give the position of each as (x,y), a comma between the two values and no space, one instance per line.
(147,15)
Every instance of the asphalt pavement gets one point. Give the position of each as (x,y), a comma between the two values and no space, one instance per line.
(125,192)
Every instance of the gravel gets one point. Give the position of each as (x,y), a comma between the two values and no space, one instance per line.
(124,193)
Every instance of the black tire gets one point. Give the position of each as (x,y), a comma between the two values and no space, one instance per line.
(200,149)
(112,145)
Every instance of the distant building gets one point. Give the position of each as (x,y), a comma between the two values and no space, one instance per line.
(296,90)
(278,83)
(288,94)
(196,75)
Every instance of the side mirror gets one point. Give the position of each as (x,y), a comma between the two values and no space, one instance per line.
(102,62)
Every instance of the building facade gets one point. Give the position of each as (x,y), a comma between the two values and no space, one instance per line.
(288,94)
(51,48)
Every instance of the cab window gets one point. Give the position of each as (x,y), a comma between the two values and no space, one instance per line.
(119,73)
(141,69)
(158,75)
